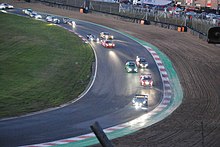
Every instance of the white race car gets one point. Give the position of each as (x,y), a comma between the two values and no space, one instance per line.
(35,15)
(27,11)
(141,62)
(5,6)
(52,19)
(140,101)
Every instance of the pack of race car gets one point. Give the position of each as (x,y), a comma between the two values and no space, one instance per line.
(131,66)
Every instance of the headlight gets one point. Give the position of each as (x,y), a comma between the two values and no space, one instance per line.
(138,104)
(144,102)
(135,69)
(133,101)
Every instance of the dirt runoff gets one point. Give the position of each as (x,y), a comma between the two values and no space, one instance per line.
(198,66)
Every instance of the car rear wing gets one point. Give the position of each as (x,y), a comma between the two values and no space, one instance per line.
(141,96)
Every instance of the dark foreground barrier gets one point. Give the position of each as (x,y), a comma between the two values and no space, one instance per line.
(214,35)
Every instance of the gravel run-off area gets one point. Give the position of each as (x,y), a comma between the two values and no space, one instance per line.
(197,64)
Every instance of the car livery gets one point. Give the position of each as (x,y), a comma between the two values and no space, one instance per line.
(141,62)
(107,43)
(140,101)
(131,66)
(146,80)
(106,35)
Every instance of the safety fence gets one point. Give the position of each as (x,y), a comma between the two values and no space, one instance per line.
(197,27)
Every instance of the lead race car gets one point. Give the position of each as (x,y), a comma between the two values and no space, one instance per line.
(140,101)
(146,80)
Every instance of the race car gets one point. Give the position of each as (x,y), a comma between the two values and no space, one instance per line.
(106,35)
(66,20)
(69,22)
(141,62)
(91,37)
(52,19)
(27,11)
(5,6)
(146,80)
(140,101)
(131,66)
(35,15)
(107,43)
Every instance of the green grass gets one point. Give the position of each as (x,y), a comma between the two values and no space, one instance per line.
(41,66)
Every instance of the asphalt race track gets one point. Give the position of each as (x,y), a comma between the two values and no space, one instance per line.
(108,101)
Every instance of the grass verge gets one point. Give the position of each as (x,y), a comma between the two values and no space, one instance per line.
(41,66)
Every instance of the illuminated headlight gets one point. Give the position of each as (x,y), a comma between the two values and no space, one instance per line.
(112,37)
(138,104)
(144,102)
(129,69)
(135,69)
(142,65)
(133,101)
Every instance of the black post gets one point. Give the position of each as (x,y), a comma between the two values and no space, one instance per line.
(202,133)
(103,139)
